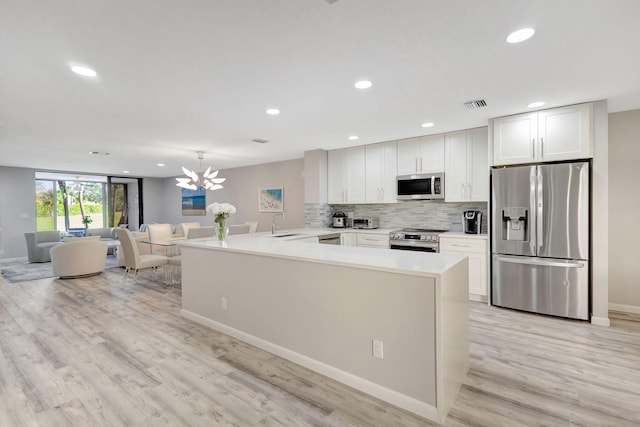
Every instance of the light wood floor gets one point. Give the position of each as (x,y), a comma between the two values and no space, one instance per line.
(86,352)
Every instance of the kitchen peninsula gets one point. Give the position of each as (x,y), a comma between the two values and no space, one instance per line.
(393,324)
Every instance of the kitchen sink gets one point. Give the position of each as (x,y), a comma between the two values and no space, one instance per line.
(286,235)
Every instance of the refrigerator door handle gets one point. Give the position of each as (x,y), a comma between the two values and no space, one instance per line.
(542,262)
(539,216)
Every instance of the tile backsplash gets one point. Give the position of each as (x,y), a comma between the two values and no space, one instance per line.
(433,214)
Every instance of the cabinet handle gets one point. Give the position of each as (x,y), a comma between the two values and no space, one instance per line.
(417,165)
(541,147)
(346,195)
(533,146)
(469,185)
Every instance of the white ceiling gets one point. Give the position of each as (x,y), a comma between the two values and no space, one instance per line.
(179,77)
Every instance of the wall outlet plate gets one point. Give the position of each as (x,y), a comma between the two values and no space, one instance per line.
(378,349)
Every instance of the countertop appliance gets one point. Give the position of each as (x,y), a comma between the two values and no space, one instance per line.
(416,239)
(540,239)
(329,239)
(339,220)
(420,186)
(471,222)
(370,222)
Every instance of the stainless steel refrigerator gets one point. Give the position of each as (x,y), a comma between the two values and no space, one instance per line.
(540,239)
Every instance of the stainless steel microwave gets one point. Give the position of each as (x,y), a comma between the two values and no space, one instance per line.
(421,186)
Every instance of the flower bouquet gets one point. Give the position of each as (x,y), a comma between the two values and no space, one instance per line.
(221,212)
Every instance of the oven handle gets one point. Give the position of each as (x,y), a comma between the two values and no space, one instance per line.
(429,247)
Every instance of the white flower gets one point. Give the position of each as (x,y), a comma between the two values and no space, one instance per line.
(221,208)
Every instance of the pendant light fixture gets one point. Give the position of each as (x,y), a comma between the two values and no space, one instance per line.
(195,180)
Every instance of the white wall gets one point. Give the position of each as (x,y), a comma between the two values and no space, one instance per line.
(241,190)
(624,206)
(17,210)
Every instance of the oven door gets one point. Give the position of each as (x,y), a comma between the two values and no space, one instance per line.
(413,246)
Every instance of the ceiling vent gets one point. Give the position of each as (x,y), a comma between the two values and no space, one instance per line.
(478,103)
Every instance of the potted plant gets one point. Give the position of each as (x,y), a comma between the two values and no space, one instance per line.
(86,220)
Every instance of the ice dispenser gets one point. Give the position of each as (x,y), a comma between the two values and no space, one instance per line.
(515,224)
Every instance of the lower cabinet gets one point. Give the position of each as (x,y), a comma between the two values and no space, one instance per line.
(475,248)
(348,239)
(373,240)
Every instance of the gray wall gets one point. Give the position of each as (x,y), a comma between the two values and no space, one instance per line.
(153,200)
(241,190)
(624,205)
(17,210)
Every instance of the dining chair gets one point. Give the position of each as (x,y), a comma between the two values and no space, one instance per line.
(253,226)
(160,233)
(239,229)
(133,261)
(200,232)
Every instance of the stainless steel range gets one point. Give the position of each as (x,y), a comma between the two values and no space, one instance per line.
(416,239)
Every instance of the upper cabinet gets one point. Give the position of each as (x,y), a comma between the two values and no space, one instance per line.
(381,169)
(345,180)
(548,135)
(424,154)
(466,165)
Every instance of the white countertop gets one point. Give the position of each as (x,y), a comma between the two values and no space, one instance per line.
(404,262)
(461,235)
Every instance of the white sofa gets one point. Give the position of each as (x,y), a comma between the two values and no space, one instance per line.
(80,257)
(40,243)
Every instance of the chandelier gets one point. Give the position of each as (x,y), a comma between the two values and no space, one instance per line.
(206,179)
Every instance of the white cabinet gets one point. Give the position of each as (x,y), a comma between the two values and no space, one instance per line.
(424,154)
(349,239)
(345,178)
(475,248)
(547,135)
(381,169)
(372,240)
(466,168)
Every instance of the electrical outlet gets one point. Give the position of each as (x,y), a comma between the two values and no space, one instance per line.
(223,303)
(378,350)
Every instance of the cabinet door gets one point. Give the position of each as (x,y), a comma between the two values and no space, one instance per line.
(565,133)
(455,169)
(336,176)
(477,165)
(372,240)
(514,139)
(477,273)
(355,171)
(408,156)
(431,154)
(374,168)
(348,239)
(388,185)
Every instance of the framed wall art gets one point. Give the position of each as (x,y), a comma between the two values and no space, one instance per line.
(194,202)
(271,199)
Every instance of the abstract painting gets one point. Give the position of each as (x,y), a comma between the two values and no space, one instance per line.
(271,200)
(193,202)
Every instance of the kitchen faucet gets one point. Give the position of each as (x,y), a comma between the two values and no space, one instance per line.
(274,228)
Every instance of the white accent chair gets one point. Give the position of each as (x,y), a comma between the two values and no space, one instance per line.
(79,257)
(253,226)
(133,261)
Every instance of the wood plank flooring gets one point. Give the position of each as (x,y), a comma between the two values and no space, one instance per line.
(86,352)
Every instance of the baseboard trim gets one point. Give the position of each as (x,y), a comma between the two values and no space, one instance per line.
(398,399)
(600,321)
(634,309)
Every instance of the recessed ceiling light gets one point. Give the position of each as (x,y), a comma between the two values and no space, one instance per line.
(83,71)
(363,84)
(160,164)
(126,172)
(260,140)
(353,137)
(520,35)
(272,111)
(427,125)
(536,104)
